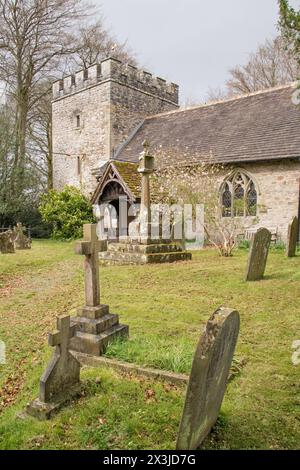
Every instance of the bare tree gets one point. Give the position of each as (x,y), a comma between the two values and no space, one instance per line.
(34,36)
(217,94)
(192,181)
(271,65)
(39,146)
(39,41)
(96,43)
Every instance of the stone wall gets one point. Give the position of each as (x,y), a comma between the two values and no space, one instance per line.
(277,184)
(95,111)
(77,149)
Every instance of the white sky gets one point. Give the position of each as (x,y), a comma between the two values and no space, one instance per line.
(192,42)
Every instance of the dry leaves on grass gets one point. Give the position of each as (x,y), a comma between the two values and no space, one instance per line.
(10,390)
(8,283)
(149,395)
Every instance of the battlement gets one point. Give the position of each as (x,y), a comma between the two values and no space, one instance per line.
(113,70)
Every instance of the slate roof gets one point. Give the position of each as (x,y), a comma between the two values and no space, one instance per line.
(256,127)
(130,176)
(126,173)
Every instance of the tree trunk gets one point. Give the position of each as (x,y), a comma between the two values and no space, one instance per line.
(50,155)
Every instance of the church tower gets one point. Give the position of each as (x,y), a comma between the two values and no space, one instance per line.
(95,111)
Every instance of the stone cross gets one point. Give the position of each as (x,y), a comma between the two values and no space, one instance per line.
(146,168)
(208,378)
(96,326)
(258,255)
(90,247)
(61,379)
(61,338)
(22,242)
(292,238)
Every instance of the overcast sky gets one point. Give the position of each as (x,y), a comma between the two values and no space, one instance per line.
(192,42)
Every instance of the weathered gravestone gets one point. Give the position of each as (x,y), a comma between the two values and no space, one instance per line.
(258,255)
(95,325)
(22,242)
(61,380)
(2,352)
(292,238)
(7,242)
(208,378)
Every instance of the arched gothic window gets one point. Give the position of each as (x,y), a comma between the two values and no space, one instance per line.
(239,196)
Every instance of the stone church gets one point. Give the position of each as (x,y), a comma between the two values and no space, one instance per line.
(102,115)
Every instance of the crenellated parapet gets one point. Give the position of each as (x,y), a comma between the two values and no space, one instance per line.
(113,70)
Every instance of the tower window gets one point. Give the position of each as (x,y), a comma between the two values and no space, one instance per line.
(78,120)
(85,74)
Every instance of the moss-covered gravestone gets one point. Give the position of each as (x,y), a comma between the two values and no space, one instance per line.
(61,380)
(7,242)
(208,378)
(258,255)
(292,238)
(22,242)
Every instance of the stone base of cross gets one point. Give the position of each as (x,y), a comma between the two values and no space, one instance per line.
(61,380)
(96,326)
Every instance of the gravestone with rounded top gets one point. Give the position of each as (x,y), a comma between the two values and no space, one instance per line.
(258,255)
(292,238)
(208,378)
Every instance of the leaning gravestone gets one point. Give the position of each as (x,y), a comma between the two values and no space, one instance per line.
(22,242)
(61,380)
(292,239)
(258,255)
(7,242)
(208,378)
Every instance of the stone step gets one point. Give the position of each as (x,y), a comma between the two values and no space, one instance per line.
(147,241)
(96,344)
(122,258)
(169,257)
(117,258)
(93,313)
(144,249)
(95,326)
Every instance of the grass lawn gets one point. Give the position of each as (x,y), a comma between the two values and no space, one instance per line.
(166,307)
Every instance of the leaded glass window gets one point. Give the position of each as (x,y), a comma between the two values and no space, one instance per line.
(226,200)
(239,196)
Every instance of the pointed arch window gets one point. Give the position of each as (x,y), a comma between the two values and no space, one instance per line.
(239,196)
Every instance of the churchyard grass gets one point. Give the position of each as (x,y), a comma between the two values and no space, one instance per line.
(166,307)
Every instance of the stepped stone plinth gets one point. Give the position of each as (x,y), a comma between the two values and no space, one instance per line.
(154,251)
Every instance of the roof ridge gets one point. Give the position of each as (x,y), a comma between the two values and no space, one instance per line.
(227,100)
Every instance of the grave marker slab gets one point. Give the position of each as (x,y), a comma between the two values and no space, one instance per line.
(61,380)
(292,238)
(258,255)
(7,242)
(208,378)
